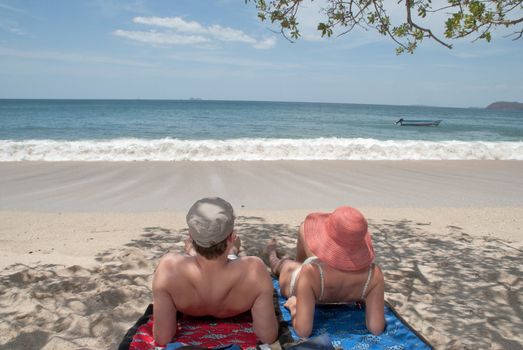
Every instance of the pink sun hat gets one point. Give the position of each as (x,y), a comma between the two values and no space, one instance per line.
(341,239)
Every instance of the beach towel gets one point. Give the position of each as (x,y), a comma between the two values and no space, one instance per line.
(342,325)
(203,332)
(345,326)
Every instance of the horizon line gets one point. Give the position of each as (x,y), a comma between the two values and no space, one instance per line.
(197,99)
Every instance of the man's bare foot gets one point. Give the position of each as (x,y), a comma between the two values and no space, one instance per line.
(270,248)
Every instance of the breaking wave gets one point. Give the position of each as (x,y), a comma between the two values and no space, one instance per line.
(255,149)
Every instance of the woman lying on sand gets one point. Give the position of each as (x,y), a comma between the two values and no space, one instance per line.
(334,263)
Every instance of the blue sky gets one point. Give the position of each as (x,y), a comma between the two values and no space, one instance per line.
(220,50)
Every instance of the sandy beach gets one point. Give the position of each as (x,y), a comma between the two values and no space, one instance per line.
(80,240)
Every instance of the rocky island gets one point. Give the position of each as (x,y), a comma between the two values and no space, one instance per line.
(506,106)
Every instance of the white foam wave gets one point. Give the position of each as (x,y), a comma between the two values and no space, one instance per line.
(255,149)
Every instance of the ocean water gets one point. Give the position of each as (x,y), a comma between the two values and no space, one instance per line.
(194,130)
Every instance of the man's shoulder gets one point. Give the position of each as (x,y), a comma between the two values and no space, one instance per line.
(171,258)
(252,261)
(172,271)
(172,263)
(254,269)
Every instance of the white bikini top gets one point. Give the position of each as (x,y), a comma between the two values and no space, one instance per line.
(317,262)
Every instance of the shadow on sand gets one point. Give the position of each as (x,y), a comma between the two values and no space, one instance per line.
(458,291)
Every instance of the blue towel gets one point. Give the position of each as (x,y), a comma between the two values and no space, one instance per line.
(345,325)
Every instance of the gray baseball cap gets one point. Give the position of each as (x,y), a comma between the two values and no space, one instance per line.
(210,221)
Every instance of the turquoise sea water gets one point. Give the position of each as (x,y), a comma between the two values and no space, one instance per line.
(241,130)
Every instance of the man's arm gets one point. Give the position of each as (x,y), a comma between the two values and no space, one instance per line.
(264,319)
(164,311)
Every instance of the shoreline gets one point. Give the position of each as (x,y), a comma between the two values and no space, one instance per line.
(256,149)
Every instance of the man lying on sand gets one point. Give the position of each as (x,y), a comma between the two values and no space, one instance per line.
(209,283)
(335,263)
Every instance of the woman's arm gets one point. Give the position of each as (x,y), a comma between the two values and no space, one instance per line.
(374,304)
(302,305)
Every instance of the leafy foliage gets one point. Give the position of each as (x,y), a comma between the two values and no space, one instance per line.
(464,18)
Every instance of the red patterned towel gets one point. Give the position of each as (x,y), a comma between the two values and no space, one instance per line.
(207,332)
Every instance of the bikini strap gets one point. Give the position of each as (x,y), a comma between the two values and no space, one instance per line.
(322,280)
(366,285)
(315,261)
(294,277)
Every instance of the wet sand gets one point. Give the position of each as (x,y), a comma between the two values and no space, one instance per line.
(272,185)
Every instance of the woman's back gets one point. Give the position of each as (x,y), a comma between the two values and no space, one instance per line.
(348,286)
(338,287)
(335,265)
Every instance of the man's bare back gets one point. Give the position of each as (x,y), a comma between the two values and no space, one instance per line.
(219,287)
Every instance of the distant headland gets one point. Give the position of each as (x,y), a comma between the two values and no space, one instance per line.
(506,106)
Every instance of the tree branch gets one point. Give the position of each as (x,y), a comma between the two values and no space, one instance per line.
(464,18)
(382,20)
(425,30)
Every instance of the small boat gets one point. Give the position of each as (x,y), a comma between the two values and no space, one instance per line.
(417,122)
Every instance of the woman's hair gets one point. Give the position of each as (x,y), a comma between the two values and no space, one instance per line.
(213,251)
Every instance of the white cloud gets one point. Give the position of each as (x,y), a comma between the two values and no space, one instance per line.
(229,34)
(265,44)
(182,32)
(172,22)
(161,38)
